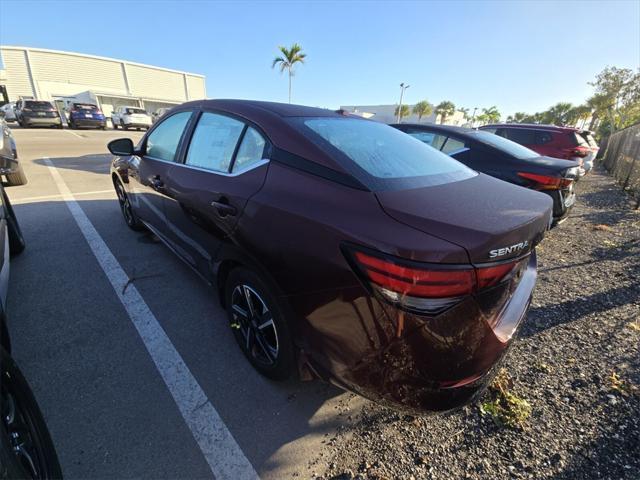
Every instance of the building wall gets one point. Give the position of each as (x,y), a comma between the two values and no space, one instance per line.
(48,74)
(386,114)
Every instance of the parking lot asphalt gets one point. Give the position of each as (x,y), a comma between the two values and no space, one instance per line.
(110,411)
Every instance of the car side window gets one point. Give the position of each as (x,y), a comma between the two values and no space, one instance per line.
(251,150)
(432,139)
(523,136)
(214,142)
(452,145)
(162,142)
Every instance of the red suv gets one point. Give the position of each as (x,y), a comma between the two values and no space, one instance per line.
(547,140)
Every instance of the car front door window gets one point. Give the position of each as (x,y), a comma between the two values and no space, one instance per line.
(214,142)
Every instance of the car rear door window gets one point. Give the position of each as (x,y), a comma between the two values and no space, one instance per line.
(162,142)
(251,150)
(452,145)
(214,142)
(432,139)
(523,136)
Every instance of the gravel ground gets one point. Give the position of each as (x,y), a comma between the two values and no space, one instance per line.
(577,364)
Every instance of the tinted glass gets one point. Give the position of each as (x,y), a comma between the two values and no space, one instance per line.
(163,141)
(543,138)
(38,105)
(452,145)
(380,156)
(589,138)
(251,150)
(512,148)
(432,139)
(135,110)
(84,106)
(579,140)
(214,142)
(523,136)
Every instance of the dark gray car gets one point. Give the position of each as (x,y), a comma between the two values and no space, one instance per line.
(9,165)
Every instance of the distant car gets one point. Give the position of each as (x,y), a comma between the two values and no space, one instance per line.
(31,113)
(158,114)
(589,159)
(131,117)
(86,115)
(340,243)
(8,112)
(9,165)
(547,140)
(503,159)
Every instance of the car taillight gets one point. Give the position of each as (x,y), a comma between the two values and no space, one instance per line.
(427,288)
(545,182)
(580,152)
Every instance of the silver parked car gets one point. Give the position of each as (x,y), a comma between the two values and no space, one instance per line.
(9,165)
(8,112)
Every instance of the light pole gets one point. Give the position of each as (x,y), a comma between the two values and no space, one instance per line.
(403,87)
(473,117)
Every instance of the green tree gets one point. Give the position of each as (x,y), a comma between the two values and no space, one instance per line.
(445,109)
(490,115)
(405,111)
(558,114)
(618,92)
(288,59)
(422,109)
(465,113)
(578,113)
(520,117)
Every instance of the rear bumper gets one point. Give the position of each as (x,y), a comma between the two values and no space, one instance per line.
(89,122)
(137,125)
(435,364)
(41,121)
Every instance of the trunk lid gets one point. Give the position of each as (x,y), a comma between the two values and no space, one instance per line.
(491,219)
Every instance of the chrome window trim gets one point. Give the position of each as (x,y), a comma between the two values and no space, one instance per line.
(253,166)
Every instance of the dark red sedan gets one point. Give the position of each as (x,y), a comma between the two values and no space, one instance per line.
(340,246)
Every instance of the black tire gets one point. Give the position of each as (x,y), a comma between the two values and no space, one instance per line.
(124,127)
(27,449)
(17,178)
(115,127)
(60,127)
(16,240)
(72,125)
(276,365)
(130,217)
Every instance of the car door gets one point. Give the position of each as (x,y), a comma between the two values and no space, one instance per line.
(224,164)
(147,172)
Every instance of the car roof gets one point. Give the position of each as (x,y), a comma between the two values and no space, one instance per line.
(536,126)
(436,128)
(271,117)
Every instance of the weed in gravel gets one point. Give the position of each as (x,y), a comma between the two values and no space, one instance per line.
(505,408)
(621,386)
(602,227)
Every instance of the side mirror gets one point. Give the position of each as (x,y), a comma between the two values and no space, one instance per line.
(121,147)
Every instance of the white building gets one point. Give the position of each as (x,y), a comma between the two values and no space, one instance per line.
(386,114)
(62,77)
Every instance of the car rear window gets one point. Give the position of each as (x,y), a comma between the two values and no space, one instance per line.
(380,156)
(135,110)
(511,148)
(590,140)
(38,105)
(578,140)
(84,106)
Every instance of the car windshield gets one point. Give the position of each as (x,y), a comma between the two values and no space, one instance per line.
(380,156)
(512,148)
(136,110)
(38,105)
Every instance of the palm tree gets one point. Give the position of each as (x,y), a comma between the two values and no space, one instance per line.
(404,111)
(422,109)
(465,113)
(491,115)
(558,114)
(445,109)
(286,61)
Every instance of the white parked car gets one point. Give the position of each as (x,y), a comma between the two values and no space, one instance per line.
(9,112)
(130,117)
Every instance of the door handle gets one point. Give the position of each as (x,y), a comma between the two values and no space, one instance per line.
(223,208)
(156,182)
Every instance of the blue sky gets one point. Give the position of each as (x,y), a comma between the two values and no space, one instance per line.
(520,56)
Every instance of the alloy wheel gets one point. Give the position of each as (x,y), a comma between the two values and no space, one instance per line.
(125,204)
(254,322)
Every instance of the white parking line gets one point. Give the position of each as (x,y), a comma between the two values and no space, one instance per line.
(52,197)
(224,456)
(74,133)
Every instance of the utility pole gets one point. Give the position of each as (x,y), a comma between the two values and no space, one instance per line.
(403,87)
(473,117)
